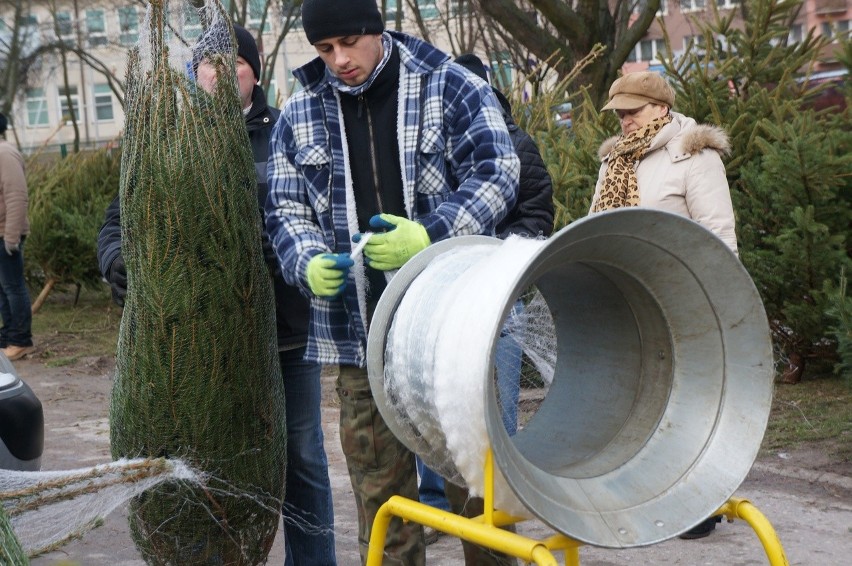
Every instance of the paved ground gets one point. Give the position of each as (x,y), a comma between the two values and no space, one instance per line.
(811,509)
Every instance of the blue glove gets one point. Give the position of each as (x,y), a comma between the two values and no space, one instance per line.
(326,274)
(402,241)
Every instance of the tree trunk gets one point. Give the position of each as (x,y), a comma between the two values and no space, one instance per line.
(42,297)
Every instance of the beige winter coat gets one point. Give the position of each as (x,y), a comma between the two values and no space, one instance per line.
(13,194)
(683,173)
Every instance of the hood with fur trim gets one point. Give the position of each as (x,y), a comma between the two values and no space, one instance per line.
(689,136)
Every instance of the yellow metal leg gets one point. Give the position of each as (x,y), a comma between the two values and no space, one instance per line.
(484,530)
(737,508)
(472,530)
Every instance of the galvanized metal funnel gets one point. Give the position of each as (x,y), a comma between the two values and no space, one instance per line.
(663,382)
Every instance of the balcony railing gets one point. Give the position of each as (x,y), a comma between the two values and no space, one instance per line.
(830,6)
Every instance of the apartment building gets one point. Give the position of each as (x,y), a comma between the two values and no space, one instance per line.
(827,17)
(41,113)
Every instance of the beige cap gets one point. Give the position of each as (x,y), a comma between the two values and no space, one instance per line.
(635,90)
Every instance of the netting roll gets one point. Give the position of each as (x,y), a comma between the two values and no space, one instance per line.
(433,377)
(197,371)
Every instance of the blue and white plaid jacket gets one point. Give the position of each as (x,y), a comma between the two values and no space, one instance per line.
(460,176)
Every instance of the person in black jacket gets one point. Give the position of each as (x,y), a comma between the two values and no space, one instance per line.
(308,510)
(531,217)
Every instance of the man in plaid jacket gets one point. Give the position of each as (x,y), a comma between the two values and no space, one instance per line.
(387,136)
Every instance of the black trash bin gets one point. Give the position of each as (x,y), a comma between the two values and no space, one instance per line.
(21,422)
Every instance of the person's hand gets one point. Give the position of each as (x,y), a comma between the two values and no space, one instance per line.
(11,249)
(403,239)
(118,280)
(326,274)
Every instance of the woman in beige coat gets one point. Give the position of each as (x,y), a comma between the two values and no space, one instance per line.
(667,161)
(663,159)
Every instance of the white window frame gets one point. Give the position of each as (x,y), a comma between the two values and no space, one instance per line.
(191,25)
(658,46)
(689,6)
(255,15)
(70,36)
(728,4)
(128,31)
(428,9)
(835,29)
(390,11)
(102,97)
(36,103)
(64,114)
(662,11)
(797,33)
(96,38)
(698,42)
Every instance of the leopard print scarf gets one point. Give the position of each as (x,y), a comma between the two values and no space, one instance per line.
(620,187)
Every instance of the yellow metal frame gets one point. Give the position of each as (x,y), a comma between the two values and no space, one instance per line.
(485,530)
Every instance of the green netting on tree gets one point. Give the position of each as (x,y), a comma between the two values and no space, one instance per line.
(11,553)
(197,373)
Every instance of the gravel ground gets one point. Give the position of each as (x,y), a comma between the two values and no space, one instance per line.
(808,503)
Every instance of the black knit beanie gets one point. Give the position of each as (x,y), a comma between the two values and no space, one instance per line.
(247,49)
(322,19)
(474,64)
(217,37)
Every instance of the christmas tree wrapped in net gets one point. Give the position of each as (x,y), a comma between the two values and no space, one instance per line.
(197,375)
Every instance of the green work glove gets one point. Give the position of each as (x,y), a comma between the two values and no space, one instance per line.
(391,249)
(326,274)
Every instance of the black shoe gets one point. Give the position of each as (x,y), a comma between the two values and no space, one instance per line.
(702,529)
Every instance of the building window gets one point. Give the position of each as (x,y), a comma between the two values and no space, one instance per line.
(460,8)
(696,40)
(29,34)
(65,28)
(391,10)
(96,27)
(796,34)
(256,10)
(501,71)
(64,111)
(728,4)
(835,30)
(692,5)
(428,9)
(642,4)
(648,50)
(128,25)
(192,25)
(36,107)
(103,103)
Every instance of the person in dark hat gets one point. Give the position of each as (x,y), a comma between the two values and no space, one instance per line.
(308,509)
(16,337)
(387,136)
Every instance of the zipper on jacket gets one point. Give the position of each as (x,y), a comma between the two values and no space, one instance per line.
(362,102)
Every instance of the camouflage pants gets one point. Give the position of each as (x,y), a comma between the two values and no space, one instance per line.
(379,466)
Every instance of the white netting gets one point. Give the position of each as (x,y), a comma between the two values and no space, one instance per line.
(49,508)
(436,362)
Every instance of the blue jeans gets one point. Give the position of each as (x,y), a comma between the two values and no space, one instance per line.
(15,307)
(431,488)
(308,511)
(508,362)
